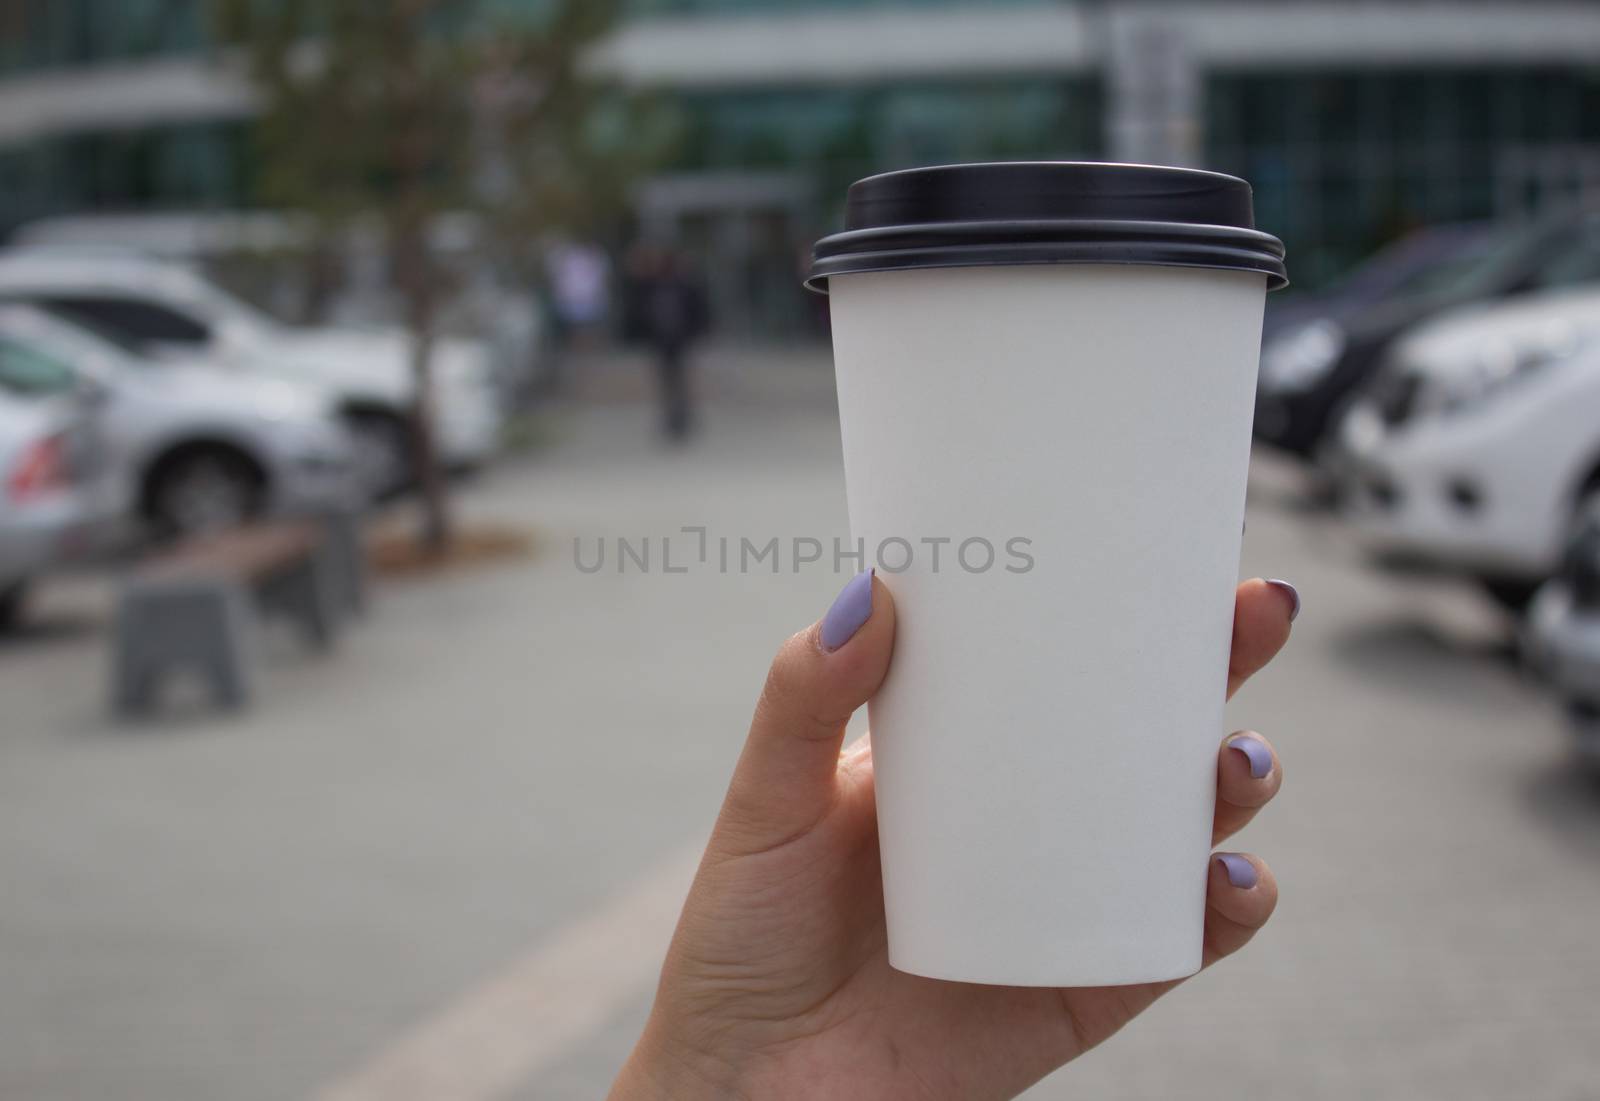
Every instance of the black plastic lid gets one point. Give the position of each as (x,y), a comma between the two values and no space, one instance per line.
(1048,212)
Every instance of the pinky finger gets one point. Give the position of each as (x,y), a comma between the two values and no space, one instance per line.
(1240,896)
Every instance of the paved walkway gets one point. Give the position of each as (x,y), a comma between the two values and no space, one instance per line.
(452,849)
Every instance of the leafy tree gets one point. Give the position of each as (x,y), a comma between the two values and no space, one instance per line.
(406,110)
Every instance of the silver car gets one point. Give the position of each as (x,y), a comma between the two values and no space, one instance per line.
(187,448)
(166,311)
(49,511)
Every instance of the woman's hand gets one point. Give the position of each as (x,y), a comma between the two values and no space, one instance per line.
(777,984)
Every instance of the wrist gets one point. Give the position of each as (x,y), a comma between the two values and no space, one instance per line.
(658,1070)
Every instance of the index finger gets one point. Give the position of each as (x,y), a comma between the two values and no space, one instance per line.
(1262,612)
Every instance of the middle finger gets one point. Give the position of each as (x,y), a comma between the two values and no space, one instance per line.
(1248,776)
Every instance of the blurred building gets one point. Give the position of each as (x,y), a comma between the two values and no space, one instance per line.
(1355,119)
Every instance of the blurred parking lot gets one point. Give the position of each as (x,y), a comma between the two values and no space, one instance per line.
(256,349)
(489,794)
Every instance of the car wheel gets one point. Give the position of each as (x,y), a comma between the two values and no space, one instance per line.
(204,490)
(1585,514)
(1580,556)
(381,451)
(1583,720)
(1329,461)
(12,599)
(1512,594)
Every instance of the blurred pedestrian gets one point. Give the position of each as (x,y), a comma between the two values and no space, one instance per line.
(580,290)
(668,312)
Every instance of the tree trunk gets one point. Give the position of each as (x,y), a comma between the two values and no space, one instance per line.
(416,280)
(416,145)
(437,531)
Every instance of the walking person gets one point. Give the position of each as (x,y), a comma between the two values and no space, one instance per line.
(669,314)
(580,286)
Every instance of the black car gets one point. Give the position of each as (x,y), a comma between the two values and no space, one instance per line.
(1397,269)
(1311,370)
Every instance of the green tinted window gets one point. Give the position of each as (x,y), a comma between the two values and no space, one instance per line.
(678,7)
(188,167)
(26,370)
(39,33)
(1343,161)
(836,135)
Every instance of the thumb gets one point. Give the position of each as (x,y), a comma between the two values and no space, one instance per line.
(784,782)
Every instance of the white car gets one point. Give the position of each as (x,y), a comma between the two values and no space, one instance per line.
(488,302)
(1562,636)
(170,311)
(1478,444)
(185,448)
(49,510)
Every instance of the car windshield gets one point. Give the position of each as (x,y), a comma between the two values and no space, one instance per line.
(73,339)
(1490,268)
(1436,253)
(1449,264)
(76,325)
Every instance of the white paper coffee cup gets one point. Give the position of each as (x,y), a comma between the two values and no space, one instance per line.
(1046,376)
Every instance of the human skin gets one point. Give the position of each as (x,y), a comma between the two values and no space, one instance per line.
(777,983)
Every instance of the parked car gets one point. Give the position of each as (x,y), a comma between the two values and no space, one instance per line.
(187,448)
(168,311)
(1563,636)
(1429,254)
(48,509)
(1310,372)
(1478,444)
(489,301)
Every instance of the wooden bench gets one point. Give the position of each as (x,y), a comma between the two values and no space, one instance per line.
(195,606)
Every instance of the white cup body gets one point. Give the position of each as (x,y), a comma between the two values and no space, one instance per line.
(1045,743)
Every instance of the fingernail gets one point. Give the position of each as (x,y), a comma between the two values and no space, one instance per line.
(851,608)
(1255,751)
(1241,873)
(1293,594)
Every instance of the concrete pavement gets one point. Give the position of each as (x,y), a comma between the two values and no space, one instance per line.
(449,810)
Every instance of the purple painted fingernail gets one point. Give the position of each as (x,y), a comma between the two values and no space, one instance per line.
(851,608)
(1241,873)
(1255,751)
(1293,594)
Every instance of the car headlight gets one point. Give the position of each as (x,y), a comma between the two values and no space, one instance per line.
(1497,365)
(1301,358)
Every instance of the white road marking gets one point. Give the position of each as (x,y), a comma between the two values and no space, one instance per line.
(501,1033)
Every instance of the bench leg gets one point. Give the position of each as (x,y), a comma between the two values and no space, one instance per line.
(135,669)
(347,559)
(230,665)
(207,628)
(133,685)
(308,593)
(230,682)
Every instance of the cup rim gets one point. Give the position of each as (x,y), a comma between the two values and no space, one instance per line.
(1048,212)
(1057,241)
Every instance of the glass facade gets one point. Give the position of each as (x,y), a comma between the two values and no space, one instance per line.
(824,138)
(194,166)
(836,135)
(682,7)
(1342,161)
(40,34)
